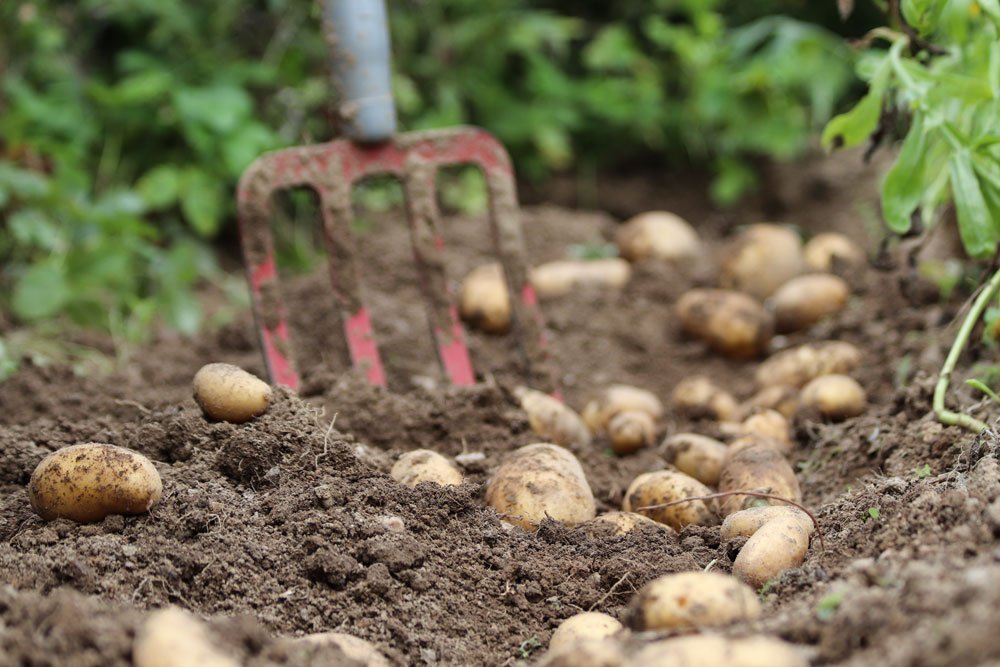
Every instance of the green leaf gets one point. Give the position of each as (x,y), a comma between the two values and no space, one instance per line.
(613,48)
(855,126)
(41,292)
(903,188)
(221,107)
(874,512)
(201,201)
(245,145)
(978,231)
(160,186)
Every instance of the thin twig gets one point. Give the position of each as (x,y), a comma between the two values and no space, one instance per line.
(755,494)
(610,591)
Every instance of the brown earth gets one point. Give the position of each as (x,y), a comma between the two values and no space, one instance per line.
(290,524)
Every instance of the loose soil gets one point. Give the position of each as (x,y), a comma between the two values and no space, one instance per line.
(290,524)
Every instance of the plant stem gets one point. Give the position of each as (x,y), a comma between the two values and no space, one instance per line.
(944,415)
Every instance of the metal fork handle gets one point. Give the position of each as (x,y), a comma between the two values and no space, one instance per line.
(358,36)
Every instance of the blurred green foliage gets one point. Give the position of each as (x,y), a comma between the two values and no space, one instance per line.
(124,124)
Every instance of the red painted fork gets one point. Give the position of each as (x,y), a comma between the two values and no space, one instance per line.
(331,169)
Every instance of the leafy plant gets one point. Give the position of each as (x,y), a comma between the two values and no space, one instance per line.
(940,75)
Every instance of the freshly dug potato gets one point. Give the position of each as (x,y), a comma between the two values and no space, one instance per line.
(630,430)
(172,637)
(658,235)
(664,486)
(698,397)
(354,648)
(834,397)
(561,277)
(424,465)
(619,523)
(770,424)
(829,251)
(552,419)
(586,625)
(619,398)
(797,366)
(696,455)
(693,600)
(779,397)
(761,259)
(732,323)
(538,481)
(759,468)
(585,653)
(483,300)
(778,541)
(88,482)
(228,393)
(750,440)
(715,651)
(805,300)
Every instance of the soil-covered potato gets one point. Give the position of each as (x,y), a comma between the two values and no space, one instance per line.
(658,235)
(172,637)
(585,653)
(781,398)
(619,523)
(88,482)
(424,465)
(585,625)
(778,541)
(698,397)
(732,323)
(561,277)
(715,651)
(805,300)
(359,651)
(761,259)
(664,486)
(693,600)
(759,468)
(797,366)
(631,430)
(552,419)
(829,251)
(619,398)
(484,301)
(751,440)
(696,455)
(770,424)
(539,481)
(228,393)
(834,397)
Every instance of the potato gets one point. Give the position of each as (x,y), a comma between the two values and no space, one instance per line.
(585,653)
(586,625)
(761,469)
(664,486)
(658,235)
(538,481)
(770,424)
(750,440)
(562,277)
(795,367)
(693,600)
(616,523)
(696,455)
(834,397)
(483,300)
(354,648)
(829,251)
(88,482)
(424,465)
(805,300)
(698,397)
(732,324)
(552,419)
(778,541)
(619,398)
(172,637)
(715,651)
(228,393)
(630,430)
(779,397)
(760,260)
